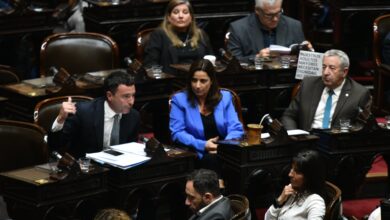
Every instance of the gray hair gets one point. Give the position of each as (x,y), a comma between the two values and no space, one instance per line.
(260,3)
(344,60)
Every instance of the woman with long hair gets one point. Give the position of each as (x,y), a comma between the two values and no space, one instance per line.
(178,39)
(202,114)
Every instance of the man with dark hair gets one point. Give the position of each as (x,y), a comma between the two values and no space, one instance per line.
(204,197)
(88,127)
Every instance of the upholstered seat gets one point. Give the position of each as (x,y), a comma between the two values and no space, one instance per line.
(142,40)
(78,53)
(240,207)
(332,201)
(381,27)
(22,145)
(47,110)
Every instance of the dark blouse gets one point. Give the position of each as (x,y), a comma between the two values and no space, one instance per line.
(210,127)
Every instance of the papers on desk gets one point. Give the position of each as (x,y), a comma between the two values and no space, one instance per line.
(130,155)
(289,132)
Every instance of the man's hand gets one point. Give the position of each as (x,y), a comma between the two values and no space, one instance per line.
(67,108)
(264,53)
(211,146)
(287,192)
(308,45)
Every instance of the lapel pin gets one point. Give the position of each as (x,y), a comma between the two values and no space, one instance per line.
(346,95)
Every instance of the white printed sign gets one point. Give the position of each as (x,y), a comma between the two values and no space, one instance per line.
(309,64)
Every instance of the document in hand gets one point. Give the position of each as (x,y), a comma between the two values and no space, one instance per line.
(279,49)
(123,156)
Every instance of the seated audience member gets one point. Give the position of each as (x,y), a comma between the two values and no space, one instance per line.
(202,114)
(323,100)
(302,198)
(178,39)
(112,214)
(88,127)
(386,49)
(252,35)
(204,197)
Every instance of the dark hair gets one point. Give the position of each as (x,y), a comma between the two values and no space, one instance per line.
(117,78)
(311,165)
(112,214)
(214,94)
(205,181)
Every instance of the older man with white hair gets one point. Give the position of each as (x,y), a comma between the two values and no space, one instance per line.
(252,35)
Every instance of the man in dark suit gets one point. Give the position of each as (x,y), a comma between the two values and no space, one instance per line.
(307,109)
(86,127)
(204,197)
(252,35)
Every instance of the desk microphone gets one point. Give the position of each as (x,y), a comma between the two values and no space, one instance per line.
(128,61)
(222,52)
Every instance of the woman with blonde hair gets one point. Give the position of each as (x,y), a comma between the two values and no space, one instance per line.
(112,214)
(178,39)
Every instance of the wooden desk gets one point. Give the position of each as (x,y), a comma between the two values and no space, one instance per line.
(154,190)
(31,194)
(349,156)
(260,171)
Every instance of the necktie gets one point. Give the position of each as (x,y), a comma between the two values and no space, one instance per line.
(115,131)
(328,108)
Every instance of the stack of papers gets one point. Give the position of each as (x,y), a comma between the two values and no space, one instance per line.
(123,156)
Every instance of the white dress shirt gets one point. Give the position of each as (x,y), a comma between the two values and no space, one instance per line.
(319,115)
(108,124)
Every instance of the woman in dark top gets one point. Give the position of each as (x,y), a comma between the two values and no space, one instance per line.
(203,113)
(177,40)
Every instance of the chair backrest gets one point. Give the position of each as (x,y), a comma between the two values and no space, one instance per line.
(22,145)
(240,207)
(333,201)
(78,53)
(381,27)
(47,110)
(8,75)
(237,105)
(142,40)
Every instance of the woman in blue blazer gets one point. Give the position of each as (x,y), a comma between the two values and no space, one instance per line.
(202,113)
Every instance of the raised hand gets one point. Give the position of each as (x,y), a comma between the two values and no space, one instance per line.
(67,108)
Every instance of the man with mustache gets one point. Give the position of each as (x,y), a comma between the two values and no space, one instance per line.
(308,109)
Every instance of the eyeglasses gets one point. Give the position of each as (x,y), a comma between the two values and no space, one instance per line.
(271,16)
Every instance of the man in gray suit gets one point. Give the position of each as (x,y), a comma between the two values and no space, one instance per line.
(252,35)
(204,197)
(308,109)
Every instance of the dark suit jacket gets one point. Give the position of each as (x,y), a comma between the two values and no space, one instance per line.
(386,49)
(83,132)
(220,210)
(159,50)
(300,113)
(246,37)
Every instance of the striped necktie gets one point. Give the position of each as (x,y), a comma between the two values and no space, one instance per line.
(328,108)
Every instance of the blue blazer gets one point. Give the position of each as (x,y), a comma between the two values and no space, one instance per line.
(186,124)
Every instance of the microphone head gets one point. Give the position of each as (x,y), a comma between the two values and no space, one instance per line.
(222,51)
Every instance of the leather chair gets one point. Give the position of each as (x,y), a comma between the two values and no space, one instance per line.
(240,207)
(47,110)
(381,27)
(7,76)
(142,40)
(22,145)
(78,53)
(332,201)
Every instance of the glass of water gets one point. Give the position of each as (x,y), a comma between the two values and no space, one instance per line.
(259,62)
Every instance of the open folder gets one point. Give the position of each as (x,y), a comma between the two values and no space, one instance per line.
(123,156)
